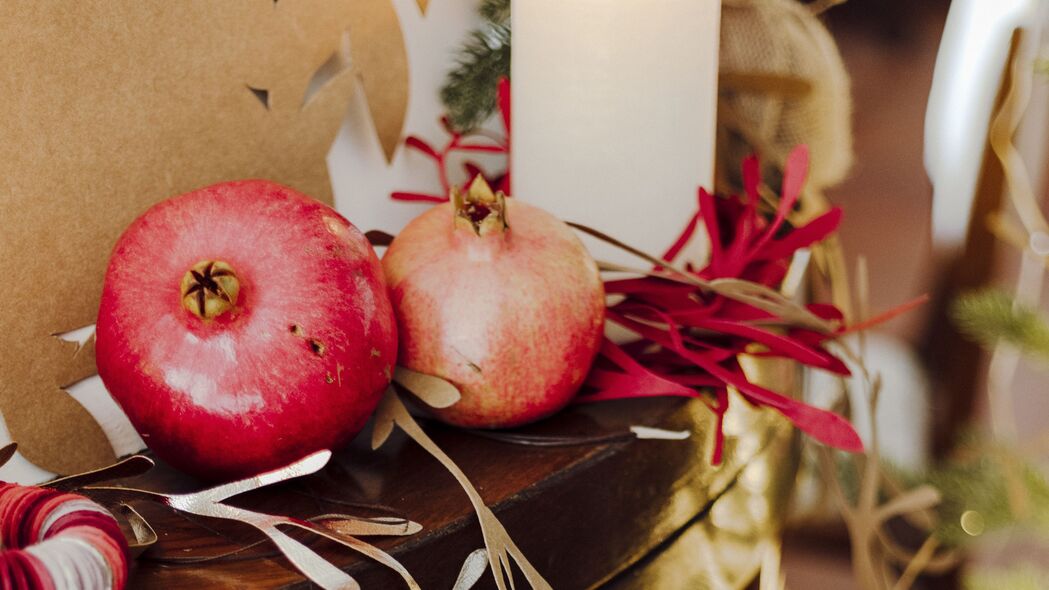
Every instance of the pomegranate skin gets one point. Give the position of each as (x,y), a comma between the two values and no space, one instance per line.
(513,318)
(297,365)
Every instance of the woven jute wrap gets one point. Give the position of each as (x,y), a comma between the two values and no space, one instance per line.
(782,83)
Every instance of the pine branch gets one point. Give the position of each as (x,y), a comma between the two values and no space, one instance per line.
(469,89)
(983,487)
(991,315)
(496,11)
(981,478)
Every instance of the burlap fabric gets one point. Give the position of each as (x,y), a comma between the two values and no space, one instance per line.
(782,83)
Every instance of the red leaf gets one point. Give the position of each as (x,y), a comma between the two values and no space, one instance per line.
(793,179)
(414,142)
(810,337)
(710,220)
(473,170)
(682,239)
(637,381)
(670,338)
(403,196)
(670,302)
(780,344)
(646,285)
(446,124)
(812,232)
(614,385)
(477,147)
(620,358)
(751,177)
(694,380)
(824,426)
(734,310)
(887,315)
(794,173)
(825,311)
(502,93)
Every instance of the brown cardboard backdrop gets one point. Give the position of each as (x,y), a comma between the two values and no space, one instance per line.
(107,107)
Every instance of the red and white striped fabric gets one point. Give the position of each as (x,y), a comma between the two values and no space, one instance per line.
(58,541)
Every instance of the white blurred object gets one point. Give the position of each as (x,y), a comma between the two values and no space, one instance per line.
(970,65)
(903,415)
(614,108)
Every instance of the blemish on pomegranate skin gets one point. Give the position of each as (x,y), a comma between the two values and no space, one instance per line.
(336,227)
(296,329)
(328,378)
(317,347)
(472,365)
(376,353)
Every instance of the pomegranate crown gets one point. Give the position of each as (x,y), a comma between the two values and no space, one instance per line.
(209,289)
(479,209)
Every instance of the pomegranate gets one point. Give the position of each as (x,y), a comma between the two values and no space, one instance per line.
(500,298)
(243,326)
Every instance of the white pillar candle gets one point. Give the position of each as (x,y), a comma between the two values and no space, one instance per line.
(614,105)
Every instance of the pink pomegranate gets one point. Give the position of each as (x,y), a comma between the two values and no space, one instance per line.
(243,326)
(500,298)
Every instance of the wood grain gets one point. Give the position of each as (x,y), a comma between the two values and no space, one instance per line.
(581,513)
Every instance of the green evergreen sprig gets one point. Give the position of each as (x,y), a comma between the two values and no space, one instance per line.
(982,485)
(469,91)
(495,11)
(991,315)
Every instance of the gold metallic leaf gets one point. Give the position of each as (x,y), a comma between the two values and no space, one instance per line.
(500,548)
(433,391)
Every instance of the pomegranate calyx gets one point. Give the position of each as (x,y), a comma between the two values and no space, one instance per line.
(209,289)
(480,209)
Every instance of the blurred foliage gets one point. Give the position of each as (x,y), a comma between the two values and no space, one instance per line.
(999,485)
(990,315)
(469,91)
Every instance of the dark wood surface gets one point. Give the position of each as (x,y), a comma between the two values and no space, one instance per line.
(581,513)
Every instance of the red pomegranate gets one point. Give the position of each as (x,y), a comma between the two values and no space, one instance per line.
(243,326)
(500,298)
